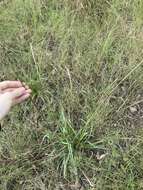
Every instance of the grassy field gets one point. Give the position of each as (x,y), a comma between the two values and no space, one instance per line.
(82,129)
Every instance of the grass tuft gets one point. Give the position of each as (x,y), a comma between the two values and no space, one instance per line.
(82,127)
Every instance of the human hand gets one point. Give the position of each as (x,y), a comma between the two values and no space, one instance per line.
(12,93)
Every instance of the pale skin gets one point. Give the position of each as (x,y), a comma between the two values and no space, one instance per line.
(11,94)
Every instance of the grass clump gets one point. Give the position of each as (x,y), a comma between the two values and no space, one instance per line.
(82,128)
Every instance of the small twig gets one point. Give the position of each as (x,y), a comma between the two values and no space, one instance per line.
(34,59)
(88,180)
(33,56)
(69,75)
(135,103)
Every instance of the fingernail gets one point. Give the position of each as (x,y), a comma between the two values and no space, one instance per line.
(29,90)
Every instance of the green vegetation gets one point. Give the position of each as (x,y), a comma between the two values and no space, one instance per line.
(82,127)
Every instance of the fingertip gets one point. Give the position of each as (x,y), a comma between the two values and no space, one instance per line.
(25,85)
(19,82)
(27,95)
(29,91)
(15,83)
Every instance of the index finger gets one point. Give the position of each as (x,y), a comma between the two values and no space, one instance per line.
(10,84)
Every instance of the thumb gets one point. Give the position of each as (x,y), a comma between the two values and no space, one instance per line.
(18,92)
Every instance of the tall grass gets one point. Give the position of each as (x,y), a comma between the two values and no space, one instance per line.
(83,61)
